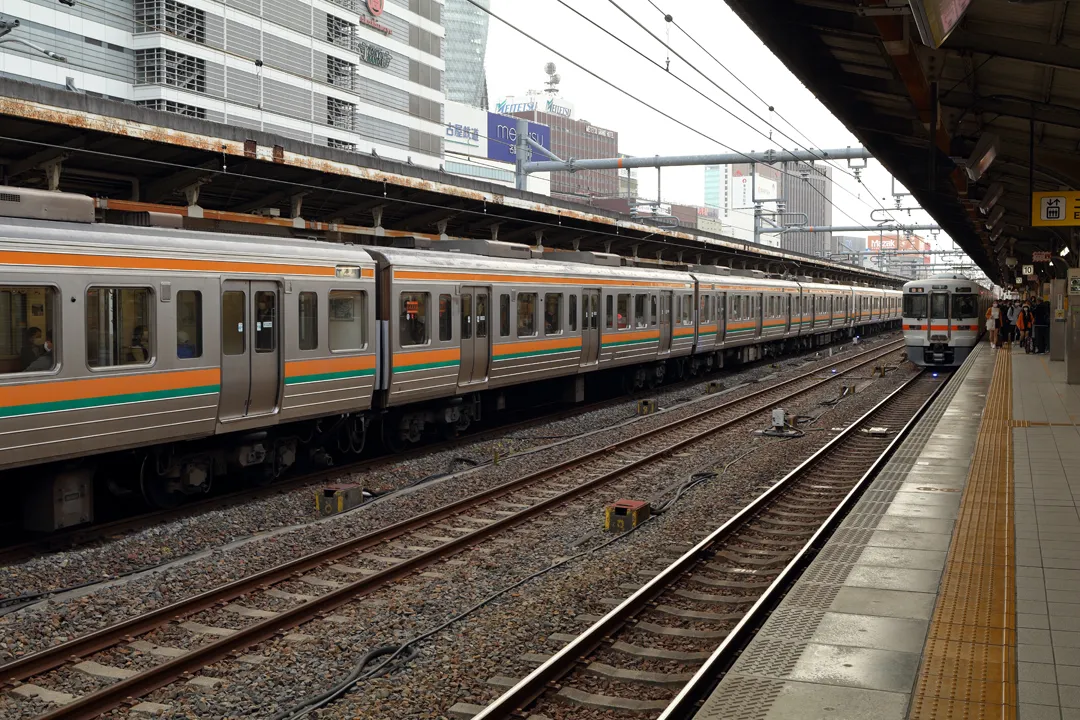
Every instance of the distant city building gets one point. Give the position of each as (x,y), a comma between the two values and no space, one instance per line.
(803,189)
(570,138)
(628,182)
(466,48)
(898,254)
(848,249)
(481,145)
(714,186)
(806,190)
(348,74)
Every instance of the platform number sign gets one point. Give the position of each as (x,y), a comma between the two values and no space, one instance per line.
(1029,270)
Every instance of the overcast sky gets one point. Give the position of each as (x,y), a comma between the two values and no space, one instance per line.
(515,65)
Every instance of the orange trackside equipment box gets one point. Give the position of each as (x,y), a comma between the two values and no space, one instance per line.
(622,515)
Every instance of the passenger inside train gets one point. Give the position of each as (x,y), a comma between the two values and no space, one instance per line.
(26,329)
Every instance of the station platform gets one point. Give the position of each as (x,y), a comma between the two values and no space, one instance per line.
(952,590)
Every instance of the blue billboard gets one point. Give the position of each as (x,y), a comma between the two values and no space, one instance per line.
(502,137)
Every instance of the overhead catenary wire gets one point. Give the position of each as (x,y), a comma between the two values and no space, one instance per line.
(643,102)
(809,147)
(369,101)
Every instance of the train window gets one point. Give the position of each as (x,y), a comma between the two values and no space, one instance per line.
(609,320)
(552,313)
(735,313)
(118,327)
(233,314)
(481,314)
(446,318)
(26,329)
(653,314)
(308,327)
(573,312)
(939,305)
(189,323)
(624,310)
(640,319)
(265,321)
(594,312)
(504,315)
(526,304)
(687,308)
(965,306)
(466,316)
(348,319)
(414,315)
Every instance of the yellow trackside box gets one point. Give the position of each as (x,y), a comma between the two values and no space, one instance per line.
(622,515)
(334,499)
(646,407)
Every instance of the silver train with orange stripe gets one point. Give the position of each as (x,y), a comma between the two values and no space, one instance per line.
(943,318)
(154,361)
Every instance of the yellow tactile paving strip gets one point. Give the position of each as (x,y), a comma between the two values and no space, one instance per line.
(969,660)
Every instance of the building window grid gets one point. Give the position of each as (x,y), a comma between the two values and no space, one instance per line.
(158,66)
(340,114)
(175,18)
(340,32)
(174,107)
(340,73)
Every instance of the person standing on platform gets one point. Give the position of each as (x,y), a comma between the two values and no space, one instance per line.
(1042,327)
(1009,322)
(993,323)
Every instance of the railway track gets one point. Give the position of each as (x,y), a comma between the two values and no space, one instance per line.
(313,585)
(85,535)
(662,648)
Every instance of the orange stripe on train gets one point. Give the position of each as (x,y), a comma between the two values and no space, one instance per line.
(119,262)
(62,390)
(530,279)
(298,368)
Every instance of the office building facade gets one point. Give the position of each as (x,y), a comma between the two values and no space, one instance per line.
(572,138)
(804,192)
(466,48)
(807,193)
(358,75)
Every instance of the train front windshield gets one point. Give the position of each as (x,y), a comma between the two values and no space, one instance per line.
(965,306)
(915,306)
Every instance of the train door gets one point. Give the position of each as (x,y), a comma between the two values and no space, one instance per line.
(721,316)
(759,312)
(250,349)
(475,340)
(938,327)
(665,321)
(590,326)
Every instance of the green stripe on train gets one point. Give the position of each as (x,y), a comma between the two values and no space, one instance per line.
(428,366)
(615,343)
(531,353)
(319,377)
(127,398)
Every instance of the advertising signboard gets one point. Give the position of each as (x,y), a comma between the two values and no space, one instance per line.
(1040,256)
(936,19)
(502,137)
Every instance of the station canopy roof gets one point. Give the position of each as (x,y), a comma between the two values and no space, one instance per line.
(1006,63)
(149,164)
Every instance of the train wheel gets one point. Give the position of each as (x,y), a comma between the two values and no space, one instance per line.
(155,489)
(391,436)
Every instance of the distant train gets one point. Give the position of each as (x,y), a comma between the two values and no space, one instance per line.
(154,360)
(944,317)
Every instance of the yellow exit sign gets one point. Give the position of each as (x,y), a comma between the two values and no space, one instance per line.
(1060,208)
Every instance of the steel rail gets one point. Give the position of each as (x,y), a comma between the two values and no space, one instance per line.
(93,704)
(525,692)
(725,655)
